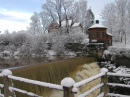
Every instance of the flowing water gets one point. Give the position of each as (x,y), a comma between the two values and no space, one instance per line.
(52,72)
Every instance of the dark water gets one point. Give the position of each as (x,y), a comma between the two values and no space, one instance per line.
(11,62)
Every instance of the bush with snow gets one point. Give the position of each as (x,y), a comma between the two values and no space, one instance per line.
(116,52)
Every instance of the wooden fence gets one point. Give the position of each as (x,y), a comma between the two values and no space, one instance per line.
(68,85)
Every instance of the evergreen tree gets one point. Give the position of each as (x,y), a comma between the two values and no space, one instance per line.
(89,20)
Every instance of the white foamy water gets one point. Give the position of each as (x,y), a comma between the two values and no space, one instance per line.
(87,71)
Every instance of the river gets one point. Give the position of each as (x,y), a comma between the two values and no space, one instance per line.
(20,62)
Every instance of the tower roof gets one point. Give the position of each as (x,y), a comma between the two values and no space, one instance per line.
(97,26)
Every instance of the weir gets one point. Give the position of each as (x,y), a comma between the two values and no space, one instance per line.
(90,81)
(68,85)
(52,72)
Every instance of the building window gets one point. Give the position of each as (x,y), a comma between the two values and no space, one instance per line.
(94,35)
(100,35)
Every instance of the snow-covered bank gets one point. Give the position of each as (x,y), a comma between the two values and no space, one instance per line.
(119,53)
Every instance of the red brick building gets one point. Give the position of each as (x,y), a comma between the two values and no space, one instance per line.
(98,34)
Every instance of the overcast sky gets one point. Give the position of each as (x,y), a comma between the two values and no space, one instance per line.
(15,14)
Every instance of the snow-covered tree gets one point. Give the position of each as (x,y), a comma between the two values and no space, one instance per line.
(115,17)
(45,21)
(83,11)
(89,20)
(109,17)
(6,31)
(35,25)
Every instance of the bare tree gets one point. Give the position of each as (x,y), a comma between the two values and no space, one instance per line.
(45,21)
(35,25)
(89,20)
(115,16)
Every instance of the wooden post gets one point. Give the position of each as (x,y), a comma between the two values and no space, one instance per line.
(68,92)
(67,84)
(7,83)
(104,88)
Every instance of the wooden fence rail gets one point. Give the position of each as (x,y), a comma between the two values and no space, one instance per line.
(68,85)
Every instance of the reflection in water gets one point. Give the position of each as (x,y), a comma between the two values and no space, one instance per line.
(7,62)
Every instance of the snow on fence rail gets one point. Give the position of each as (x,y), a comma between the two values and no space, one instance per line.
(118,85)
(44,84)
(91,90)
(68,85)
(117,95)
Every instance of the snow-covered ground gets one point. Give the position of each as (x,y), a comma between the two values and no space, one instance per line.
(121,45)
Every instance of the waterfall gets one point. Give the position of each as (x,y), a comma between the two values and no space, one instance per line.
(87,71)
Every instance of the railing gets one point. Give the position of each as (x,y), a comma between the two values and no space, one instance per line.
(68,85)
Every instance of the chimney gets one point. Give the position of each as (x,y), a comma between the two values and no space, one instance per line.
(97,21)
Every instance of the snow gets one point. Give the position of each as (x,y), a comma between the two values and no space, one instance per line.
(1,95)
(1,85)
(122,70)
(51,53)
(101,95)
(76,24)
(118,74)
(63,23)
(44,84)
(97,26)
(96,43)
(120,85)
(6,72)
(85,81)
(117,95)
(91,90)
(67,82)
(5,54)
(120,51)
(122,45)
(104,70)
(71,54)
(16,53)
(24,92)
(1,75)
(74,90)
(85,41)
(109,34)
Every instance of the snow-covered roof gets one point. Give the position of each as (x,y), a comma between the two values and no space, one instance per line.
(76,24)
(109,34)
(63,23)
(97,26)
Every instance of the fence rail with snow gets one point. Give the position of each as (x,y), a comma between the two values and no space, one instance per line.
(68,85)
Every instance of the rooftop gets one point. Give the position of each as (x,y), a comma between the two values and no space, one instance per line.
(76,24)
(97,26)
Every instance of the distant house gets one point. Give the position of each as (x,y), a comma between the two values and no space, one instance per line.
(98,34)
(53,28)
(77,27)
(72,27)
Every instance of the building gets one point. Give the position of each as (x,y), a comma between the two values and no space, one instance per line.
(98,34)
(77,27)
(72,27)
(53,28)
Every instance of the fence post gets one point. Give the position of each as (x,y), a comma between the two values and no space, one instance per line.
(7,83)
(67,84)
(104,79)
